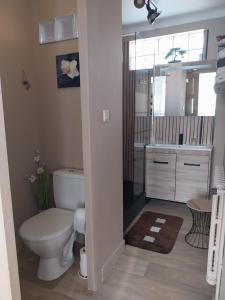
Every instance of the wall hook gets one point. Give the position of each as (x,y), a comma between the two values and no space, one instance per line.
(25,81)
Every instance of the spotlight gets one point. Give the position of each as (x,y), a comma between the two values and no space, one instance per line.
(139,3)
(152,12)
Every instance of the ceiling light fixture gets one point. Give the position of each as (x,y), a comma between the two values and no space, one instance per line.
(153,12)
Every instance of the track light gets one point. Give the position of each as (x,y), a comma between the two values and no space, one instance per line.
(152,11)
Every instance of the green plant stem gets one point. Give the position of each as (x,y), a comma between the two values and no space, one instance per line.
(42,190)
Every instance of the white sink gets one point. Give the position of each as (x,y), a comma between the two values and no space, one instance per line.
(195,147)
(184,147)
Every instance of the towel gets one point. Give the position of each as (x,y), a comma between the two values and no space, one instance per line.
(220,75)
(219,88)
(221,54)
(221,42)
(221,63)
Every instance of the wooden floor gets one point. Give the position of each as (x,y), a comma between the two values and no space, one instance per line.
(138,275)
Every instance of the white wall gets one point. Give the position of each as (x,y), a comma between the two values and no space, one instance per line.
(59,109)
(9,278)
(101,88)
(181,19)
(20,105)
(43,117)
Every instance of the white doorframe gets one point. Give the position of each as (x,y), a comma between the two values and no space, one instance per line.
(89,242)
(9,278)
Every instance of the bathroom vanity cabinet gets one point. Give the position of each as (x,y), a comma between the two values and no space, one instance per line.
(177,173)
(160,175)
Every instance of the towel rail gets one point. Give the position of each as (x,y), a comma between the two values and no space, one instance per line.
(217,231)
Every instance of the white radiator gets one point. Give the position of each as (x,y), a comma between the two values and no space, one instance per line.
(217,232)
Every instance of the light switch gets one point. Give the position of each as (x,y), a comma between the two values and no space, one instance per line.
(105,115)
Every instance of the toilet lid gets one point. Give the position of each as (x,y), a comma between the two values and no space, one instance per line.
(46,225)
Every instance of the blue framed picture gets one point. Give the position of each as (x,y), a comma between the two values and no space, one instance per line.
(68,70)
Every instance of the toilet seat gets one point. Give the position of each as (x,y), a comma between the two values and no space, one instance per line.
(47,225)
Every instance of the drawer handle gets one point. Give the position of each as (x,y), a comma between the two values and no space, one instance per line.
(160,162)
(192,165)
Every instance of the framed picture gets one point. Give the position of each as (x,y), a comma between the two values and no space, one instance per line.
(68,70)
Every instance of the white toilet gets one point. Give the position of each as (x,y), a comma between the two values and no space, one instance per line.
(51,233)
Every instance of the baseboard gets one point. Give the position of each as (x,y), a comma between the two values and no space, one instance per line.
(107,267)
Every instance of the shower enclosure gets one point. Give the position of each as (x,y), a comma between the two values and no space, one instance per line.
(184,104)
(136,129)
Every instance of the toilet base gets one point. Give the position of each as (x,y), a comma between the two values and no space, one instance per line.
(52,268)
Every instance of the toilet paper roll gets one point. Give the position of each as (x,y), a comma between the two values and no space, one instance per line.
(79,220)
(83,263)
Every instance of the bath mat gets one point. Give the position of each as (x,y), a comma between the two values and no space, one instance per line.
(155,232)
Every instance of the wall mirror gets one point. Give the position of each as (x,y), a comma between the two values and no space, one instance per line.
(176,89)
(184,89)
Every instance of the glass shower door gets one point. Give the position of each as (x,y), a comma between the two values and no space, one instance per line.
(136,111)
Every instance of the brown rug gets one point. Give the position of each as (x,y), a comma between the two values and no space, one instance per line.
(155,232)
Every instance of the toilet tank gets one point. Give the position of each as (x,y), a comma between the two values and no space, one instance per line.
(68,187)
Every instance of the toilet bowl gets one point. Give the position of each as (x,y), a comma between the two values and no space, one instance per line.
(50,235)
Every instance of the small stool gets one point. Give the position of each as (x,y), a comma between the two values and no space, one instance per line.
(198,236)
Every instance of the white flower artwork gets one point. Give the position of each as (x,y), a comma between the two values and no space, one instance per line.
(68,70)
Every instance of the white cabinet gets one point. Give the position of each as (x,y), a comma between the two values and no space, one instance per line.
(177,175)
(192,177)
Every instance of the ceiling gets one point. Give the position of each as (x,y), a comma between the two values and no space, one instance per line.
(169,8)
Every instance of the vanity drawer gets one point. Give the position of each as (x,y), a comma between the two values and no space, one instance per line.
(160,175)
(192,177)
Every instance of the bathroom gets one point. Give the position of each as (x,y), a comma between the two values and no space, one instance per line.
(44,124)
(174,106)
(172,122)
(44,120)
(56,123)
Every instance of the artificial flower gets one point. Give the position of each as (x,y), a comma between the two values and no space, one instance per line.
(36,158)
(32,178)
(40,170)
(41,183)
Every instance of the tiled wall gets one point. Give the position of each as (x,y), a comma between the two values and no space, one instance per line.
(196,130)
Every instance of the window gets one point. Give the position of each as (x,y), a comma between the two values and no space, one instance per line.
(206,96)
(144,53)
